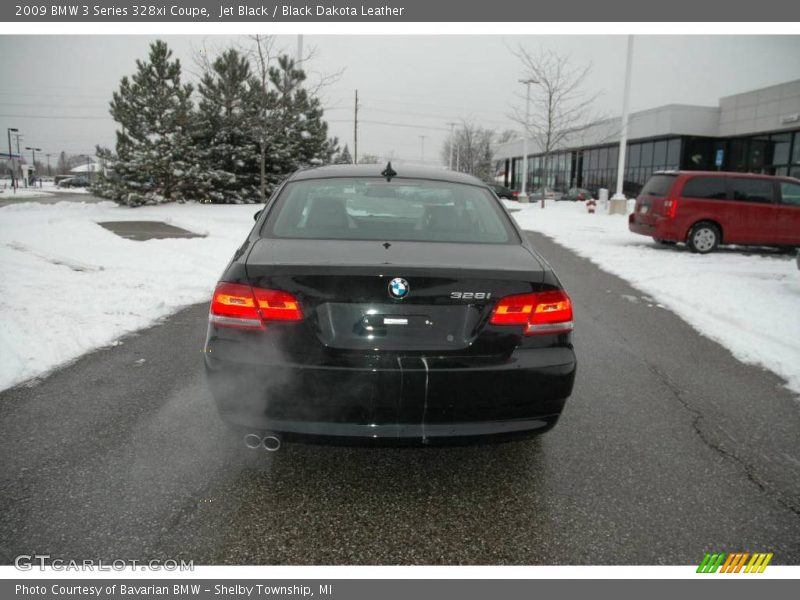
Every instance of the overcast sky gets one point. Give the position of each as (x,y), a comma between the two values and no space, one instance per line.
(56,89)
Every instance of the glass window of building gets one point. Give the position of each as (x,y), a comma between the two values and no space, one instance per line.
(757,155)
(781,144)
(603,158)
(647,154)
(634,153)
(698,154)
(737,158)
(674,153)
(796,149)
(660,154)
(613,156)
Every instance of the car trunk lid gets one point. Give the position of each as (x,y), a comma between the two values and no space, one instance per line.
(346,289)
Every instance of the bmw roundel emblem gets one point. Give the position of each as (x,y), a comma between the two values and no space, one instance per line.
(399,288)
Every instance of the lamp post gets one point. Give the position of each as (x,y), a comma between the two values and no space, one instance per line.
(452,127)
(11,159)
(619,204)
(523,194)
(33,158)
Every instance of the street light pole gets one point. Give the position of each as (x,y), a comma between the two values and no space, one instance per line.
(33,159)
(452,127)
(11,159)
(17,137)
(523,194)
(618,201)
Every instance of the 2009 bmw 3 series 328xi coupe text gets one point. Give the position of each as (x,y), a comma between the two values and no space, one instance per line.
(388,305)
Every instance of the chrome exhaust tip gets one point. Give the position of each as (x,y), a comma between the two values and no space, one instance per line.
(271,443)
(252,441)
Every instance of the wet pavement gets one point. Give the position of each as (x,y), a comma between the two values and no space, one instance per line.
(668,448)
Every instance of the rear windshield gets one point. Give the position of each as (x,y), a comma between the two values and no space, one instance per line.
(400,210)
(658,185)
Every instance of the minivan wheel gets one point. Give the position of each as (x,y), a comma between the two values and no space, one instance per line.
(703,238)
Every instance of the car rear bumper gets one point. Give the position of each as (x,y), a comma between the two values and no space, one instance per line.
(657,227)
(421,399)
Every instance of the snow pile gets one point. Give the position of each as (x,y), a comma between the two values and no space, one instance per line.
(748,301)
(70,286)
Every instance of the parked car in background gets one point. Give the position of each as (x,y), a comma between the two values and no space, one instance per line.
(74,182)
(383,305)
(549,194)
(576,195)
(707,208)
(502,191)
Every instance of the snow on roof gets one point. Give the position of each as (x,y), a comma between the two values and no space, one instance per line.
(87,168)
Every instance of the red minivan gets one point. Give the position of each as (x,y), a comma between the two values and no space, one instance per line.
(709,208)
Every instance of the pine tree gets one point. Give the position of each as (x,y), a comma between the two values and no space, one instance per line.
(226,151)
(344,157)
(299,133)
(153,109)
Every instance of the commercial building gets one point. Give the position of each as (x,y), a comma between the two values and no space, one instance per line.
(757,132)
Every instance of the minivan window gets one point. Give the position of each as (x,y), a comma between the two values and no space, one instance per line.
(752,190)
(790,193)
(712,188)
(658,185)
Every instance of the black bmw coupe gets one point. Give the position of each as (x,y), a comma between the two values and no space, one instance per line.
(388,304)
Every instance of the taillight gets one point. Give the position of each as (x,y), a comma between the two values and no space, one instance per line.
(244,307)
(543,312)
(671,207)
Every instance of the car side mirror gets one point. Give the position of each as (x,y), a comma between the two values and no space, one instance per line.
(258,214)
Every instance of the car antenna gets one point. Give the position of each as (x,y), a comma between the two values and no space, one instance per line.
(389,172)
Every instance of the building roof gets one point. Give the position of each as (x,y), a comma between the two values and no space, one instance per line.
(770,109)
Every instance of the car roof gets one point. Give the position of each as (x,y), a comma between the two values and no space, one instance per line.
(374,170)
(725,174)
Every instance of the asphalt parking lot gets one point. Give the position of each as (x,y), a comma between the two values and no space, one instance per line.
(668,448)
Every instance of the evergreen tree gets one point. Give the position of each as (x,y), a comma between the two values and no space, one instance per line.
(153,109)
(105,184)
(299,134)
(226,151)
(344,157)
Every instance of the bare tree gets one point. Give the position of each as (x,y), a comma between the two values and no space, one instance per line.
(560,106)
(261,55)
(474,146)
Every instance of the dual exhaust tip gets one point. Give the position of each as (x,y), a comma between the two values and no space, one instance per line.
(269,442)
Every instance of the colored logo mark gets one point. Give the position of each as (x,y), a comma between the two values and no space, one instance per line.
(735,562)
(399,288)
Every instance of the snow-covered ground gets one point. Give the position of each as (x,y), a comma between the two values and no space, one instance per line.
(48,188)
(748,301)
(70,286)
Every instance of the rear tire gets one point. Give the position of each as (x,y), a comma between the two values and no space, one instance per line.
(703,237)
